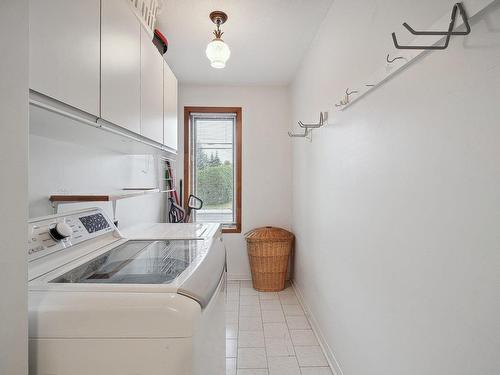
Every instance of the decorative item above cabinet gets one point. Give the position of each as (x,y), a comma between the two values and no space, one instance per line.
(146,11)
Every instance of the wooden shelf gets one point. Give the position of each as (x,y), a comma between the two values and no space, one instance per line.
(95,197)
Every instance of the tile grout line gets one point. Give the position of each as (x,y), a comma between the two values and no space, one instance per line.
(235,358)
(288,328)
(238,327)
(263,334)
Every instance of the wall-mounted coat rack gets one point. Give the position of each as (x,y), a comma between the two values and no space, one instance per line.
(323,120)
(441,30)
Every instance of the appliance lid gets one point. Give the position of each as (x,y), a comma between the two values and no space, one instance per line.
(192,268)
(137,262)
(171,231)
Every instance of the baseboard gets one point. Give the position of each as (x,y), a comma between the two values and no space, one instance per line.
(330,356)
(238,277)
(241,277)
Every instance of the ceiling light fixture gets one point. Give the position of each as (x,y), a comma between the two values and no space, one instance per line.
(217,51)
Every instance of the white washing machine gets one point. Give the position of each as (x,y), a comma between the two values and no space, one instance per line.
(103,304)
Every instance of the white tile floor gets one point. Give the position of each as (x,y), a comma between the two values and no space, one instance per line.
(269,334)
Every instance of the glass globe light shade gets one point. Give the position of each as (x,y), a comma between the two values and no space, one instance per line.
(218,53)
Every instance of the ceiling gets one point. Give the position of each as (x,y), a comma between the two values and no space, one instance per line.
(267,38)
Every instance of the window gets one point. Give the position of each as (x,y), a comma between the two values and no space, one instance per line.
(212,164)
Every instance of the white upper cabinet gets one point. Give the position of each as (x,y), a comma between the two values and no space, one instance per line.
(120,65)
(96,56)
(169,108)
(151,89)
(65,51)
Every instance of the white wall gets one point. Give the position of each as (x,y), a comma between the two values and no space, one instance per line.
(60,167)
(396,202)
(266,158)
(13,169)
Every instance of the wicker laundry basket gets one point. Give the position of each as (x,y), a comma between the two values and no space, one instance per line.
(269,250)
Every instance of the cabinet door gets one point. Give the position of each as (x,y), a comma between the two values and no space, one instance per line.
(64,43)
(169,107)
(120,65)
(151,90)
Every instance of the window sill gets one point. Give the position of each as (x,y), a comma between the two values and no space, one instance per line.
(231,229)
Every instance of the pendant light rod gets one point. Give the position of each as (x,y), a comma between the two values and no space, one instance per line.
(218,18)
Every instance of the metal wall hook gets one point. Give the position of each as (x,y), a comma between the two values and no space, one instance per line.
(447,41)
(299,135)
(322,119)
(457,6)
(448,33)
(390,61)
(345,100)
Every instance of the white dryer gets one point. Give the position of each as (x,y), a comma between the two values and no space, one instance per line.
(103,304)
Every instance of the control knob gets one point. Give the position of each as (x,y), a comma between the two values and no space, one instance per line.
(60,231)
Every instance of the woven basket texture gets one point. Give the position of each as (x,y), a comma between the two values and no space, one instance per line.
(269,250)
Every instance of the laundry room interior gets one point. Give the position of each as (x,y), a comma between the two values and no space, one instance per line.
(280,187)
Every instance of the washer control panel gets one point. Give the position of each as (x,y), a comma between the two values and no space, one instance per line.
(57,232)
(94,222)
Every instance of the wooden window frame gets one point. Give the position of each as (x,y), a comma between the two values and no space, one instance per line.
(187,157)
